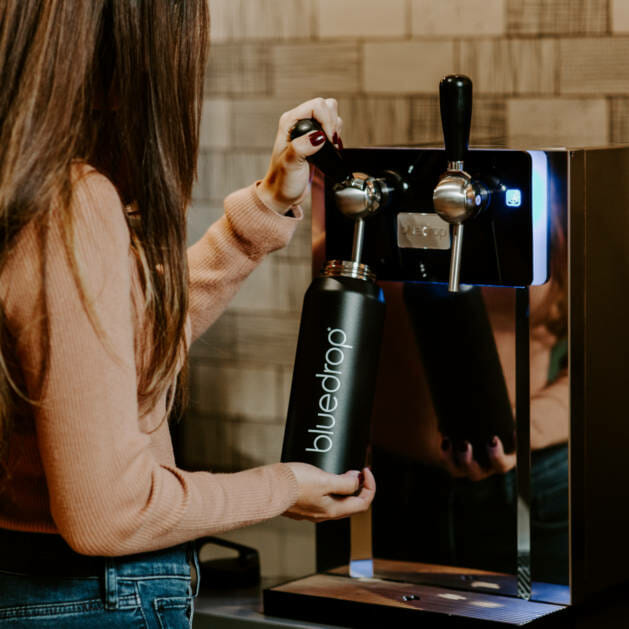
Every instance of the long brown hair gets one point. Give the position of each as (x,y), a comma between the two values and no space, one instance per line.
(117,84)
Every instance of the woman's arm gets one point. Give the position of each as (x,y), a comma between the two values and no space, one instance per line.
(550,416)
(254,223)
(229,251)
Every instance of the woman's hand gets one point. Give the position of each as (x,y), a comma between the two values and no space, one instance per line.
(324,496)
(460,462)
(285,182)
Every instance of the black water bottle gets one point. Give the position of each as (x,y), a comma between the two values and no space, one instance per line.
(334,377)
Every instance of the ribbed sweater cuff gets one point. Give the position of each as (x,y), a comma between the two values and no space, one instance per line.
(260,229)
(285,473)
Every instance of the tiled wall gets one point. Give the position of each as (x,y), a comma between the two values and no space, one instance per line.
(555,70)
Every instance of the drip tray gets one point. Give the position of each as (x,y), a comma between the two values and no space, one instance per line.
(334,598)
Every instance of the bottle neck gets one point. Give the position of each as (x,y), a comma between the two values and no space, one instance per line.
(344,268)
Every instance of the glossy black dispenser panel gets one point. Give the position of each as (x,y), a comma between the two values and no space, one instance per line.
(504,273)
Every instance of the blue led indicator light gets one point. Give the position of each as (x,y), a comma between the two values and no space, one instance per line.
(513,197)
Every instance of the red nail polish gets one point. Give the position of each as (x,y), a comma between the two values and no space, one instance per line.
(317,138)
(361,478)
(340,144)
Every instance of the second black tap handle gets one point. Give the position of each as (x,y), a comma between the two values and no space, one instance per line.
(328,159)
(455,96)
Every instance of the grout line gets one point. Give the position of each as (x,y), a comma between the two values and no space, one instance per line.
(610,116)
(315,34)
(609,17)
(557,72)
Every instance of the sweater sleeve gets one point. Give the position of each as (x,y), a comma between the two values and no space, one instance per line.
(229,250)
(550,414)
(109,495)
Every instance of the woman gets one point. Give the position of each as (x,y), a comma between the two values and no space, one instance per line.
(99,126)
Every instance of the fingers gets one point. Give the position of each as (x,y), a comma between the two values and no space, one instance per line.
(468,464)
(345,484)
(344,506)
(459,460)
(339,132)
(448,460)
(500,462)
(323,110)
(301,148)
(369,482)
(339,498)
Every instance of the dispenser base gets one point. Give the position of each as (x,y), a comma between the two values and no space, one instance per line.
(334,598)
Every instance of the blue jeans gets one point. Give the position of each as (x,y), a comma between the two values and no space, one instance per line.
(44,584)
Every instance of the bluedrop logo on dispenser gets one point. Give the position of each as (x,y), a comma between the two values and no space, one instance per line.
(330,385)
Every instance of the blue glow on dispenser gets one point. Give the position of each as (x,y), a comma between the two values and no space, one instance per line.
(540,217)
(513,197)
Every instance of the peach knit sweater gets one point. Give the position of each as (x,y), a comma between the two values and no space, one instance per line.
(87,464)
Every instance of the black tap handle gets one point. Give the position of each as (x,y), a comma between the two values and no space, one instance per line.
(328,159)
(455,96)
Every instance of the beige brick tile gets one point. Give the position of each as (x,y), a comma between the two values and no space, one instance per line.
(256,444)
(266,339)
(541,17)
(259,292)
(375,121)
(243,392)
(285,378)
(309,70)
(200,217)
(300,246)
(193,438)
(517,66)
(290,281)
(361,18)
(254,121)
(298,554)
(215,124)
(286,547)
(619,120)
(200,189)
(260,19)
(458,17)
(619,16)
(558,121)
(426,121)
(406,67)
(276,285)
(488,121)
(206,444)
(221,173)
(218,342)
(594,65)
(238,69)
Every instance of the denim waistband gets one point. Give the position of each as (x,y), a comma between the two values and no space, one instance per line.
(41,556)
(49,554)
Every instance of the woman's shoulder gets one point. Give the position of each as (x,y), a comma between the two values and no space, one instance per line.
(99,230)
(87,180)
(96,205)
